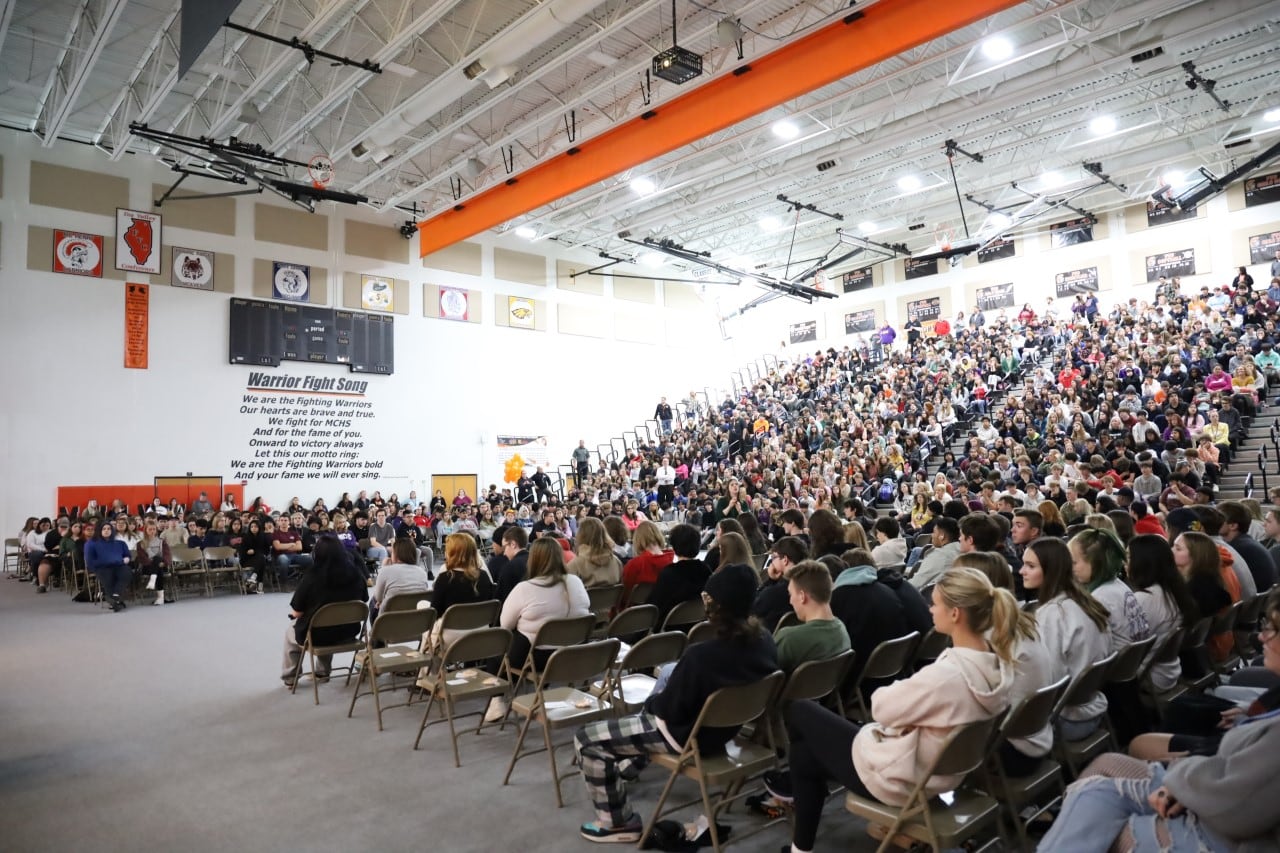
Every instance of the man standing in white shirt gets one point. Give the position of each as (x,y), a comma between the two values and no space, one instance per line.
(666,479)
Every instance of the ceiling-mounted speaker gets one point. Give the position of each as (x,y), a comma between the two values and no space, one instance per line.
(728,33)
(474,70)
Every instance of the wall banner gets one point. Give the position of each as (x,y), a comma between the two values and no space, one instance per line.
(377,293)
(996,296)
(290,281)
(453,304)
(137,325)
(1076,281)
(860,321)
(75,253)
(138,241)
(803,333)
(191,268)
(1180,262)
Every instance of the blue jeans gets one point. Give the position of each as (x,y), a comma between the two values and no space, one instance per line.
(114,579)
(1097,809)
(285,561)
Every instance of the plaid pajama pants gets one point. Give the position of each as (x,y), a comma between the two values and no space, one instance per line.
(603,746)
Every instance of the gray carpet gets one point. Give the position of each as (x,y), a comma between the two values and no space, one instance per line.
(167,729)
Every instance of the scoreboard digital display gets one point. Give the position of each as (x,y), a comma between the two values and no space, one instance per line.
(266,333)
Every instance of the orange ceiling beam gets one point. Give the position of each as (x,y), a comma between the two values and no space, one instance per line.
(855,43)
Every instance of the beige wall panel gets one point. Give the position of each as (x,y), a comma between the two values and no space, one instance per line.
(77,189)
(431,304)
(460,257)
(290,226)
(634,290)
(1,177)
(502,314)
(351,294)
(224,270)
(40,255)
(377,240)
(509,265)
(948,310)
(585,322)
(212,215)
(1235,196)
(679,295)
(592,285)
(638,326)
(317,294)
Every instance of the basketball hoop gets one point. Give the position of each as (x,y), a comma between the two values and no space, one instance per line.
(320,171)
(820,281)
(942,237)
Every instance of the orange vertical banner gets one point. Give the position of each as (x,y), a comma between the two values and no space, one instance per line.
(137,324)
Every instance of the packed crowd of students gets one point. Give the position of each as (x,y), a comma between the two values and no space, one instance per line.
(1081,516)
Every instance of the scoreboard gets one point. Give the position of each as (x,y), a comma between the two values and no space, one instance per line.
(266,333)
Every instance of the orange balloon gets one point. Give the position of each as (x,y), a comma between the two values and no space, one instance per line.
(513,469)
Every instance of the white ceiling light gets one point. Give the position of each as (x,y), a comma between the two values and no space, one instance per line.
(1272,115)
(997,48)
(770,223)
(642,185)
(1052,180)
(1102,125)
(526,232)
(867,227)
(909,183)
(652,259)
(785,129)
(1000,220)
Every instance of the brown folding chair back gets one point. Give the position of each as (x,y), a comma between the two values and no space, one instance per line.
(382,655)
(449,685)
(639,594)
(578,663)
(401,626)
(1033,713)
(332,615)
(467,617)
(603,598)
(788,619)
(731,707)
(931,647)
(891,657)
(817,679)
(1088,683)
(685,615)
(404,601)
(630,681)
(701,632)
(654,650)
(638,619)
(1127,665)
(565,631)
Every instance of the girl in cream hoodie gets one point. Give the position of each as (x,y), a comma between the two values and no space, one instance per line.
(885,759)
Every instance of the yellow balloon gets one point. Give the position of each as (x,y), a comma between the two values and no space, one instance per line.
(513,469)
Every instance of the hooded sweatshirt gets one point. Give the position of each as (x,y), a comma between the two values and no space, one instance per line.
(1074,642)
(870,611)
(913,718)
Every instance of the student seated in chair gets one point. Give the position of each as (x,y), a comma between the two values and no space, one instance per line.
(884,760)
(611,751)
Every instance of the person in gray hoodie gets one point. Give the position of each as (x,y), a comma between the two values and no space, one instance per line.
(1214,803)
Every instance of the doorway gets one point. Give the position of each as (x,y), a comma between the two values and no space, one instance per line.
(448,484)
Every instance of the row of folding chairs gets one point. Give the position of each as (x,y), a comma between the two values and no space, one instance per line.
(205,569)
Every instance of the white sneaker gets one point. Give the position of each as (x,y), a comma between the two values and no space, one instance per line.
(496,711)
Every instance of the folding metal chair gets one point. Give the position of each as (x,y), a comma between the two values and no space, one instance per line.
(382,655)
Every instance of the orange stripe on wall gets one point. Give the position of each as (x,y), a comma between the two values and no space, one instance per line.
(823,57)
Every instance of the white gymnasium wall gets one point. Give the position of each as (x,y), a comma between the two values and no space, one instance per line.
(73,415)
(1219,236)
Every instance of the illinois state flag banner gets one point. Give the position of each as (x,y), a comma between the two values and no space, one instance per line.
(137,241)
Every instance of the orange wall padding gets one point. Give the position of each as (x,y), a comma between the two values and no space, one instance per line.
(828,54)
(133,495)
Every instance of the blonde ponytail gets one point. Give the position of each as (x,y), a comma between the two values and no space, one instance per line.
(1006,624)
(989,609)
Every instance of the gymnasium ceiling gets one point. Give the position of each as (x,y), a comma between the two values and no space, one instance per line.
(1072,90)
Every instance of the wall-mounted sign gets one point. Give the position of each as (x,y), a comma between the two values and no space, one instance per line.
(923,310)
(863,320)
(453,304)
(1072,232)
(377,293)
(138,241)
(520,312)
(802,333)
(1076,281)
(1180,262)
(1161,215)
(191,268)
(920,269)
(996,296)
(137,325)
(77,254)
(1262,189)
(1002,247)
(290,281)
(857,280)
(1263,247)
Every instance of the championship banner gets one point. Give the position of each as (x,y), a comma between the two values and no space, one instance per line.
(1072,232)
(1180,262)
(803,333)
(519,452)
(137,323)
(454,304)
(77,254)
(1158,214)
(860,321)
(996,296)
(1076,281)
(996,250)
(1263,247)
(290,281)
(376,293)
(923,310)
(919,269)
(138,241)
(191,268)
(1262,189)
(860,279)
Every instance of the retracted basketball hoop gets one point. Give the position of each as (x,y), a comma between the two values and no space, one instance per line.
(320,171)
